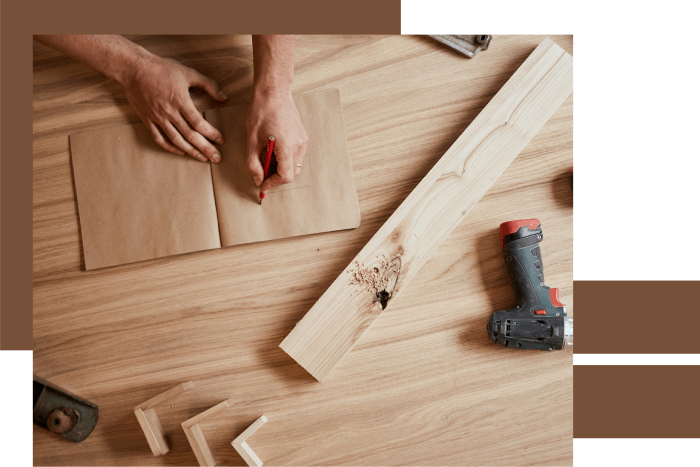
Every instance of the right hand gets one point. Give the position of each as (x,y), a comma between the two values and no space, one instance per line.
(159,92)
(274,114)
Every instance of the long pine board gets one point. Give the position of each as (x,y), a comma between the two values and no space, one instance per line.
(434,208)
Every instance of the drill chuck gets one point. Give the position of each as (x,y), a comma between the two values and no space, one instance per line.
(538,319)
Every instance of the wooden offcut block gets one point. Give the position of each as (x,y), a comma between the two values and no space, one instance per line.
(148,419)
(431,212)
(242,447)
(196,437)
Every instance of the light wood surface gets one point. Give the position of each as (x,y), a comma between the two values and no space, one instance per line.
(423,386)
(431,212)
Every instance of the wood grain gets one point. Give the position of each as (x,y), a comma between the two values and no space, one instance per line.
(424,386)
(431,212)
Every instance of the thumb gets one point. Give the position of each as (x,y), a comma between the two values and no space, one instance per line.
(270,183)
(254,166)
(209,85)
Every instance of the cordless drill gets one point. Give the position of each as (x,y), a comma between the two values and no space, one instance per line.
(538,320)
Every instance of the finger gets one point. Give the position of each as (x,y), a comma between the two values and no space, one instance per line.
(162,141)
(284,175)
(299,157)
(198,123)
(177,139)
(209,85)
(254,165)
(196,139)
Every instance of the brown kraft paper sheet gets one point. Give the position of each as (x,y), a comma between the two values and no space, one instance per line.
(137,201)
(322,198)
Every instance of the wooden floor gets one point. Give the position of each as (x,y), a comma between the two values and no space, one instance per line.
(424,386)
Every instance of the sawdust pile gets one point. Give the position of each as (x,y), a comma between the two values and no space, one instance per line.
(371,279)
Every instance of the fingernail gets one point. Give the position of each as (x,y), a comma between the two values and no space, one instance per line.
(223,95)
(216,158)
(201,157)
(220,141)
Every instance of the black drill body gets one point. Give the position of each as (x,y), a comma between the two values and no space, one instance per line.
(537,320)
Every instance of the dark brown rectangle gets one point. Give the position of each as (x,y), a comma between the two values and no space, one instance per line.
(16,183)
(636,401)
(214,17)
(637,316)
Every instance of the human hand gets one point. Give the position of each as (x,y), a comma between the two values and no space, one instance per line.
(158,89)
(274,114)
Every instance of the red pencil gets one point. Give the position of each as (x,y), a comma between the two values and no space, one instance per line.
(266,163)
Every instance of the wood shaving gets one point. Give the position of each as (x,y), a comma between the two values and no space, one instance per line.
(371,279)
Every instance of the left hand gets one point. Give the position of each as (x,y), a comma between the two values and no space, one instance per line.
(158,89)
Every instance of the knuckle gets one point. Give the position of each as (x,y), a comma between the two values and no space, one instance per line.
(174,136)
(200,127)
(286,177)
(190,134)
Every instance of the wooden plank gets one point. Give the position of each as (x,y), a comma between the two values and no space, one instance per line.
(169,394)
(243,448)
(199,445)
(433,209)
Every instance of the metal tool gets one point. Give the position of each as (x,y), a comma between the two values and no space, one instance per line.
(61,412)
(538,320)
(469,45)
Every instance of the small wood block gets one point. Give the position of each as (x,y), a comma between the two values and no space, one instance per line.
(196,437)
(153,430)
(207,413)
(199,446)
(247,454)
(169,394)
(150,424)
(242,447)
